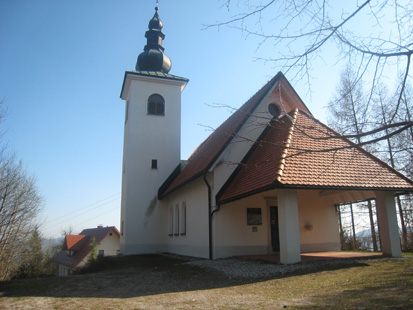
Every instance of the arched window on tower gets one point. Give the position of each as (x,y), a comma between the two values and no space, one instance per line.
(156,105)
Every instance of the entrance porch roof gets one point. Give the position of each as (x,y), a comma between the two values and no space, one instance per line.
(298,151)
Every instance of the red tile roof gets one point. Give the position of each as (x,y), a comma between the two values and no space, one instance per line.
(299,151)
(74,242)
(80,245)
(210,150)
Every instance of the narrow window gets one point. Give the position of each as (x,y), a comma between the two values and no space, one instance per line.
(156,105)
(171,221)
(101,252)
(183,219)
(122,227)
(154,164)
(176,220)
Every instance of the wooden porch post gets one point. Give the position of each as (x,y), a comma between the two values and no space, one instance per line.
(387,218)
(288,226)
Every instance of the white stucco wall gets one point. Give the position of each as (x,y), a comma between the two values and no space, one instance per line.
(232,236)
(110,245)
(315,210)
(64,270)
(147,137)
(195,242)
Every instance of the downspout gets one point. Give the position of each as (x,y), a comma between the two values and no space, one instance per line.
(209,215)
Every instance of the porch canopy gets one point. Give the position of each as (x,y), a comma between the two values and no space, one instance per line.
(297,151)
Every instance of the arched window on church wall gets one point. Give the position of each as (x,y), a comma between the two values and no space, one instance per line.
(182,227)
(176,220)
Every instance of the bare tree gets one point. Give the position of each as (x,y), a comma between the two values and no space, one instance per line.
(375,37)
(397,150)
(349,114)
(348,110)
(19,205)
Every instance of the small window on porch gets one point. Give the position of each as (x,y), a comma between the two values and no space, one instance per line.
(254,216)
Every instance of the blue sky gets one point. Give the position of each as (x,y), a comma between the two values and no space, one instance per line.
(61,70)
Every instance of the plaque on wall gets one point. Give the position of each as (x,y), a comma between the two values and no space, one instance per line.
(254,216)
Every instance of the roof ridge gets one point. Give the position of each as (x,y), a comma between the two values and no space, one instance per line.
(284,153)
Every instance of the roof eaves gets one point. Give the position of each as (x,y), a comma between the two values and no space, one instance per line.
(274,185)
(347,188)
(354,145)
(152,74)
(113,228)
(195,176)
(169,180)
(86,248)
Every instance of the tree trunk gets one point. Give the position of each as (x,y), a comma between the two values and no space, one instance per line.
(340,225)
(373,230)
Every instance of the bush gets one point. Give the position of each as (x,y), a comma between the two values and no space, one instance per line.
(96,265)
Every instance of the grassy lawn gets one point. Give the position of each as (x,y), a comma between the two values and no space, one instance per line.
(159,282)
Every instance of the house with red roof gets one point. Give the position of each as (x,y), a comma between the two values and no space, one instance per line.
(77,248)
(266,181)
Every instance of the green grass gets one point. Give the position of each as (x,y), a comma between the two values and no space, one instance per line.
(158,282)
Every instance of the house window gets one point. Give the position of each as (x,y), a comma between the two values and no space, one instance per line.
(274,110)
(156,105)
(122,227)
(101,252)
(176,220)
(171,221)
(182,228)
(154,164)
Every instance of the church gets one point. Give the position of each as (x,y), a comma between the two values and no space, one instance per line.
(265,181)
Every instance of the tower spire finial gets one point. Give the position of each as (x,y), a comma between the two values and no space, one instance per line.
(153,58)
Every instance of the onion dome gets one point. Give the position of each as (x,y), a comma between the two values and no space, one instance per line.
(153,58)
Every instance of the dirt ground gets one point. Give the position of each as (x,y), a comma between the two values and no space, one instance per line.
(157,282)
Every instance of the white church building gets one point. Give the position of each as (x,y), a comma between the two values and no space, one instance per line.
(266,181)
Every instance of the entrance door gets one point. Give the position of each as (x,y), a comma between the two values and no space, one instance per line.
(275,234)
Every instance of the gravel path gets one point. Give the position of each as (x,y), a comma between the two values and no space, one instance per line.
(242,269)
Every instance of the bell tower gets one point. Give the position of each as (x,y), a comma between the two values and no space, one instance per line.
(152,136)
